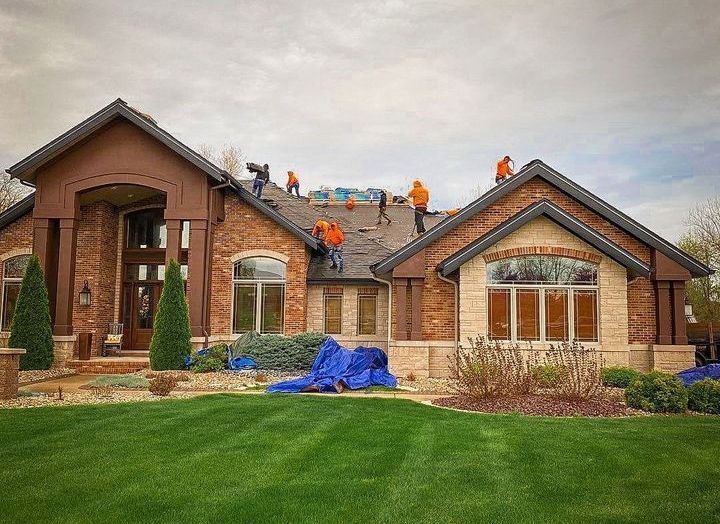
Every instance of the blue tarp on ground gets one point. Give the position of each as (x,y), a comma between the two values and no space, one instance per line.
(336,368)
(692,375)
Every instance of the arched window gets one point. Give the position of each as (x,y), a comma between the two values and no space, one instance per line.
(13,273)
(542,298)
(258,295)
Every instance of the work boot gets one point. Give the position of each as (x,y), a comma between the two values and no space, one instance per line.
(340,269)
(378,222)
(333,266)
(389,222)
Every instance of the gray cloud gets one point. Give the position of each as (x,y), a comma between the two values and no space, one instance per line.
(623,97)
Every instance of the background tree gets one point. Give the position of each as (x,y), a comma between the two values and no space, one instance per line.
(702,240)
(11,191)
(229,157)
(170,342)
(31,327)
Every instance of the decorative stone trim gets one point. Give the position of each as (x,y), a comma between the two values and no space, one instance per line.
(542,250)
(14,253)
(9,366)
(259,253)
(332,291)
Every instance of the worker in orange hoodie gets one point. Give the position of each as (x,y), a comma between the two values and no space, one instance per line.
(320,229)
(504,171)
(334,241)
(420,196)
(293,183)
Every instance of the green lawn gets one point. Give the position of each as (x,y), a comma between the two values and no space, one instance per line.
(309,459)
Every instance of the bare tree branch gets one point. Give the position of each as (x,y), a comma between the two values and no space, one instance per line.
(229,157)
(11,191)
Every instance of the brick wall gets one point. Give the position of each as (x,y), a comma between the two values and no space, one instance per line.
(438,298)
(15,239)
(246,229)
(96,262)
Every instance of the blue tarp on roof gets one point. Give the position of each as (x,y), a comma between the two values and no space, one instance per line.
(336,368)
(692,375)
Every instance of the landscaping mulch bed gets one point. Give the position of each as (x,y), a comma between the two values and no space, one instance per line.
(37,400)
(540,405)
(41,375)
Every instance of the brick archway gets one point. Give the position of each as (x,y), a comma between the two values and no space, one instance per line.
(542,250)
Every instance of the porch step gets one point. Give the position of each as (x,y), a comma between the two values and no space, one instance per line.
(136,353)
(109,365)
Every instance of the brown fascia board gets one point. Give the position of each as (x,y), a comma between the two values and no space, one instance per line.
(567,186)
(559,216)
(25,169)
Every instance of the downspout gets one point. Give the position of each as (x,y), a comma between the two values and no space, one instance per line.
(389,309)
(456,286)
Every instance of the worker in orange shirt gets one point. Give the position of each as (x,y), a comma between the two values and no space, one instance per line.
(504,171)
(293,183)
(420,196)
(320,229)
(334,241)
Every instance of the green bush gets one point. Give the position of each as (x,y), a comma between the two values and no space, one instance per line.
(657,392)
(547,375)
(704,396)
(279,353)
(618,376)
(214,359)
(31,328)
(170,342)
(120,381)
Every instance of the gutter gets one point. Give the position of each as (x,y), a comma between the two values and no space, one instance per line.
(389,309)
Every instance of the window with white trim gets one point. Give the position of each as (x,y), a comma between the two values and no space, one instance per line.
(542,298)
(258,295)
(13,273)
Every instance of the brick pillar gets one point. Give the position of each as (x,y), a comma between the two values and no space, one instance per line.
(400,314)
(174,240)
(9,365)
(45,247)
(679,322)
(197,275)
(416,305)
(65,277)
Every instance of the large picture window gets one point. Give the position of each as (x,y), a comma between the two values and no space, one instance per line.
(542,298)
(258,295)
(13,273)
(367,315)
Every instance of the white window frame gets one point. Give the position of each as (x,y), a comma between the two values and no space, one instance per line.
(541,292)
(259,284)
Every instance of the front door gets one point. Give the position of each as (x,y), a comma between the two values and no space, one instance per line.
(145,297)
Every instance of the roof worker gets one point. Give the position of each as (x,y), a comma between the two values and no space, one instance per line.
(382,208)
(504,171)
(320,229)
(293,183)
(421,197)
(261,178)
(350,204)
(334,241)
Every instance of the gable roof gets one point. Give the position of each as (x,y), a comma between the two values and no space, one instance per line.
(537,168)
(25,169)
(559,216)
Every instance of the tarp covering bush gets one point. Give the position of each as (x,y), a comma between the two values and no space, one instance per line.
(337,368)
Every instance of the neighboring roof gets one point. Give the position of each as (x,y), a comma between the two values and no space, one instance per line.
(17,210)
(556,214)
(25,169)
(537,168)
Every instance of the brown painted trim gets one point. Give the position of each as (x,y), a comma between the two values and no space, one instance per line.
(679,321)
(542,250)
(663,312)
(400,314)
(65,294)
(416,293)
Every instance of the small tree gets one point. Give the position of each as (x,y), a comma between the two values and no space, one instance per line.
(170,342)
(31,327)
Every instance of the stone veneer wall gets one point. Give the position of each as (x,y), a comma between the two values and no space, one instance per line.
(349,336)
(542,232)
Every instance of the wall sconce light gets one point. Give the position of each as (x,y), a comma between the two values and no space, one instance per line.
(85,295)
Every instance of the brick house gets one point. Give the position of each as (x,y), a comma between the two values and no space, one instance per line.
(537,258)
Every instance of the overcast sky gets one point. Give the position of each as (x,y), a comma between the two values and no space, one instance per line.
(623,97)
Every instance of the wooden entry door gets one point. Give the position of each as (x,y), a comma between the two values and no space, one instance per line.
(145,297)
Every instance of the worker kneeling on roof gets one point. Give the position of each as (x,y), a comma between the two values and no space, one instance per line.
(320,229)
(293,183)
(504,171)
(420,196)
(334,240)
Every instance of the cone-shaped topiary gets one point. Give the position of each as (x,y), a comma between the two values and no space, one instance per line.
(170,342)
(31,327)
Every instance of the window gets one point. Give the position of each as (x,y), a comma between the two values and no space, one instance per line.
(333,314)
(141,272)
(367,315)
(146,230)
(13,273)
(258,295)
(542,298)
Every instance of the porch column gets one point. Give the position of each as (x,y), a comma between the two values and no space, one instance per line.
(664,312)
(174,236)
(679,322)
(45,247)
(65,277)
(400,314)
(416,305)
(197,275)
